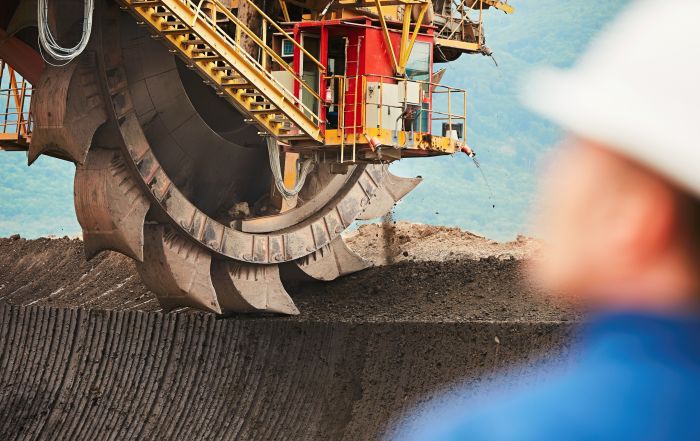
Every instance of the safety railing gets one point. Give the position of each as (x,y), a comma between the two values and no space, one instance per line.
(437,103)
(237,60)
(454,21)
(457,23)
(15,100)
(216,13)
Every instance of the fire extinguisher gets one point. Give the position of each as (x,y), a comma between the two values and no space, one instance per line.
(329,94)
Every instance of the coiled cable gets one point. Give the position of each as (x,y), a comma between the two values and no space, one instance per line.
(48,43)
(302,171)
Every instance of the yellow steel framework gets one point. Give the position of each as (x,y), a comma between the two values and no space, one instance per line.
(198,34)
(15,119)
(209,37)
(458,24)
(408,36)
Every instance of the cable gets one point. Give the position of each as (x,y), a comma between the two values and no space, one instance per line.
(48,42)
(302,171)
(492,196)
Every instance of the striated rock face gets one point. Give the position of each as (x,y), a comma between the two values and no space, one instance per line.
(128,375)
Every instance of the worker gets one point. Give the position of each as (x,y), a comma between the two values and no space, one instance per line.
(620,220)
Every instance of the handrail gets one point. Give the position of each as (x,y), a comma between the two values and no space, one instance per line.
(263,45)
(285,34)
(293,98)
(461,18)
(435,115)
(15,119)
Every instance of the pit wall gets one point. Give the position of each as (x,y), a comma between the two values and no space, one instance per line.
(74,374)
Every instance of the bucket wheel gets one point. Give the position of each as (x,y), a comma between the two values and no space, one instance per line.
(175,178)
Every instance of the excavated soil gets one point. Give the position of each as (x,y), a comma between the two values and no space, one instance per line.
(438,274)
(390,242)
(86,353)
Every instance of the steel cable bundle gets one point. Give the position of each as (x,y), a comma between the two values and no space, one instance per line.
(48,42)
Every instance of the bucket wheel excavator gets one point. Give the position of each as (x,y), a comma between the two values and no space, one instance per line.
(226,145)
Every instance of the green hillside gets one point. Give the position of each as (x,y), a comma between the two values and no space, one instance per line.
(509,139)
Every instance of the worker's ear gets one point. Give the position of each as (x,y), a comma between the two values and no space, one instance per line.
(647,220)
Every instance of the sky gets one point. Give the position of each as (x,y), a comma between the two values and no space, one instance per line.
(510,141)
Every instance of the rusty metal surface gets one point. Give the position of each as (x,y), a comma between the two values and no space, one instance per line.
(177,270)
(67,109)
(22,57)
(393,190)
(298,241)
(162,162)
(328,263)
(245,287)
(109,205)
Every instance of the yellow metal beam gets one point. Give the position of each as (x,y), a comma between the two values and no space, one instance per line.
(500,5)
(406,52)
(405,32)
(263,45)
(223,49)
(285,11)
(387,37)
(277,27)
(463,45)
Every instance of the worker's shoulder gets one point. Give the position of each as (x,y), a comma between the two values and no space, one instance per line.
(603,398)
(508,409)
(600,398)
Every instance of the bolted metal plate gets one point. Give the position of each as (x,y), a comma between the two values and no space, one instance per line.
(110,205)
(177,270)
(244,287)
(67,108)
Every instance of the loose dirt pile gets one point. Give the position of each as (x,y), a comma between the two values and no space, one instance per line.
(438,274)
(392,242)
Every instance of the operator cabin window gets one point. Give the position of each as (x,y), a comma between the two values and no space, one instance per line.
(418,66)
(418,69)
(287,49)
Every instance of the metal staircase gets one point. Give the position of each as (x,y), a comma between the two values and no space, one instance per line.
(208,36)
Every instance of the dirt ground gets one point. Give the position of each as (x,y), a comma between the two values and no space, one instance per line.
(431,274)
(390,242)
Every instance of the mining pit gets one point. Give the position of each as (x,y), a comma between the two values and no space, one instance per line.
(86,352)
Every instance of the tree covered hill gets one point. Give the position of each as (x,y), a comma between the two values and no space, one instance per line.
(510,140)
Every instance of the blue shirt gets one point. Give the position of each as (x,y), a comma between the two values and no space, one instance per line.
(637,377)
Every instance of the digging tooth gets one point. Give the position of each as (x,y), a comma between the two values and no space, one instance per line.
(393,189)
(177,270)
(67,109)
(327,263)
(245,287)
(109,205)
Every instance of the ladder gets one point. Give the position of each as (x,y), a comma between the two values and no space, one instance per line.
(15,119)
(207,35)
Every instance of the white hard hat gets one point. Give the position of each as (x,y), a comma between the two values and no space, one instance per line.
(636,90)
